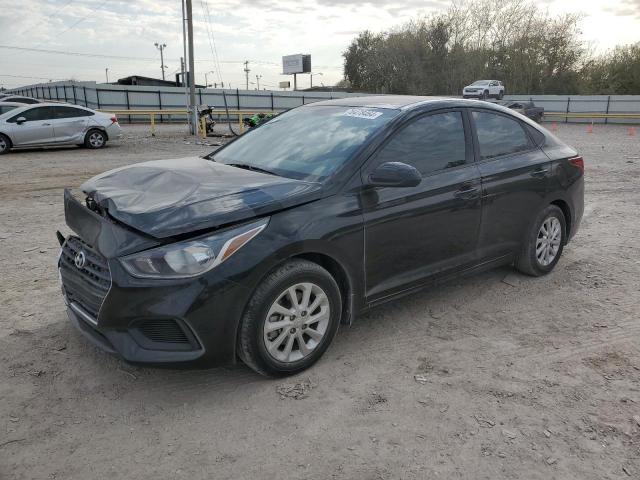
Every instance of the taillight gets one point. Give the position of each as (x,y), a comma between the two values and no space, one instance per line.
(577,162)
(114,119)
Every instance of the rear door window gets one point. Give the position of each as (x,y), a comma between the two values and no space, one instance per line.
(70,112)
(499,135)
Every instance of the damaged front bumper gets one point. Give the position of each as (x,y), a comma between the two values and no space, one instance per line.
(144,321)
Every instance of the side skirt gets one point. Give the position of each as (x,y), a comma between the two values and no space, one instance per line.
(481,267)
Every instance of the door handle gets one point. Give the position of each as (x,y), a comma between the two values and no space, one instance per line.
(540,172)
(468,191)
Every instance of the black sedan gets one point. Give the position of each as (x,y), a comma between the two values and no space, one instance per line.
(263,249)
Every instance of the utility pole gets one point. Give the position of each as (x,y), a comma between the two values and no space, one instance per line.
(184,64)
(206,81)
(246,73)
(183,73)
(161,47)
(106,73)
(192,73)
(258,77)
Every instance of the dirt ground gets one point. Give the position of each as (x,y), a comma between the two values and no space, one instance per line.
(494,376)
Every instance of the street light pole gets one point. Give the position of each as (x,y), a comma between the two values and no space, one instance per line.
(246,72)
(161,47)
(106,73)
(258,77)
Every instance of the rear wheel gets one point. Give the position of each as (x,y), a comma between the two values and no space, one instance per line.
(95,139)
(5,144)
(290,320)
(500,95)
(544,243)
(485,95)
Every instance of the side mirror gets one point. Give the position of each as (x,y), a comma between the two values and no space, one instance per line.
(394,174)
(20,120)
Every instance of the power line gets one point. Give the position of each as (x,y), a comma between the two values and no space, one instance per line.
(212,40)
(119,57)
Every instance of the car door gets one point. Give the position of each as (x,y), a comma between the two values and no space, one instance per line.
(515,176)
(412,233)
(35,130)
(69,124)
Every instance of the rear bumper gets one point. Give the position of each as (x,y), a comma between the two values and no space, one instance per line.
(114,131)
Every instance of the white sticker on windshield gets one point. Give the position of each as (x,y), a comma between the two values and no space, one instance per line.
(365,113)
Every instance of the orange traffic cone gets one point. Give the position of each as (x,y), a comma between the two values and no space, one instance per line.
(554,127)
(632,131)
(590,128)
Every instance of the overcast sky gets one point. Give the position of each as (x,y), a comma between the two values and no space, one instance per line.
(260,31)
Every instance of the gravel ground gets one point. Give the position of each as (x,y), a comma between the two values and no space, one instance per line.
(493,376)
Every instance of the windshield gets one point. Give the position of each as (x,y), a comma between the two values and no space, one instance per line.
(480,82)
(6,108)
(306,143)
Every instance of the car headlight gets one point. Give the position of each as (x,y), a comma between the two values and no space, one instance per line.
(193,257)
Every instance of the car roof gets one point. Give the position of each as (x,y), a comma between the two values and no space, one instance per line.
(404,102)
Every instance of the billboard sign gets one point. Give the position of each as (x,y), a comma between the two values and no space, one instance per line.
(296,64)
(286,84)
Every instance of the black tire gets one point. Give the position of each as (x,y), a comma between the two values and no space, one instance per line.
(485,95)
(527,262)
(501,95)
(5,144)
(251,344)
(90,139)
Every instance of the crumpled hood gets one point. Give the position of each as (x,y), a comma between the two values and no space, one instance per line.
(164,198)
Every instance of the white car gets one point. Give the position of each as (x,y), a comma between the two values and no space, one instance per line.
(484,89)
(54,124)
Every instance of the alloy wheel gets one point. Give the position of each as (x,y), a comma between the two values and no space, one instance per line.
(548,241)
(296,322)
(3,144)
(96,139)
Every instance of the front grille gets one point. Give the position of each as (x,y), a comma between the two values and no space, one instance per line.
(87,286)
(163,331)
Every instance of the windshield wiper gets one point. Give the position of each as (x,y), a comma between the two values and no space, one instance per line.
(253,168)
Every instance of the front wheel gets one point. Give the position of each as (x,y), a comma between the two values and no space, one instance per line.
(500,95)
(485,95)
(290,320)
(5,144)
(544,243)
(95,139)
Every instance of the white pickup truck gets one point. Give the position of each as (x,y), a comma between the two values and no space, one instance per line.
(484,89)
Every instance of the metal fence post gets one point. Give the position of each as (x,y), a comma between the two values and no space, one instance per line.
(566,119)
(98,98)
(272,101)
(126,91)
(160,104)
(84,93)
(75,98)
(607,112)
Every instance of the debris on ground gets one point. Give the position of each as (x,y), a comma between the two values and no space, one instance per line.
(297,391)
(484,422)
